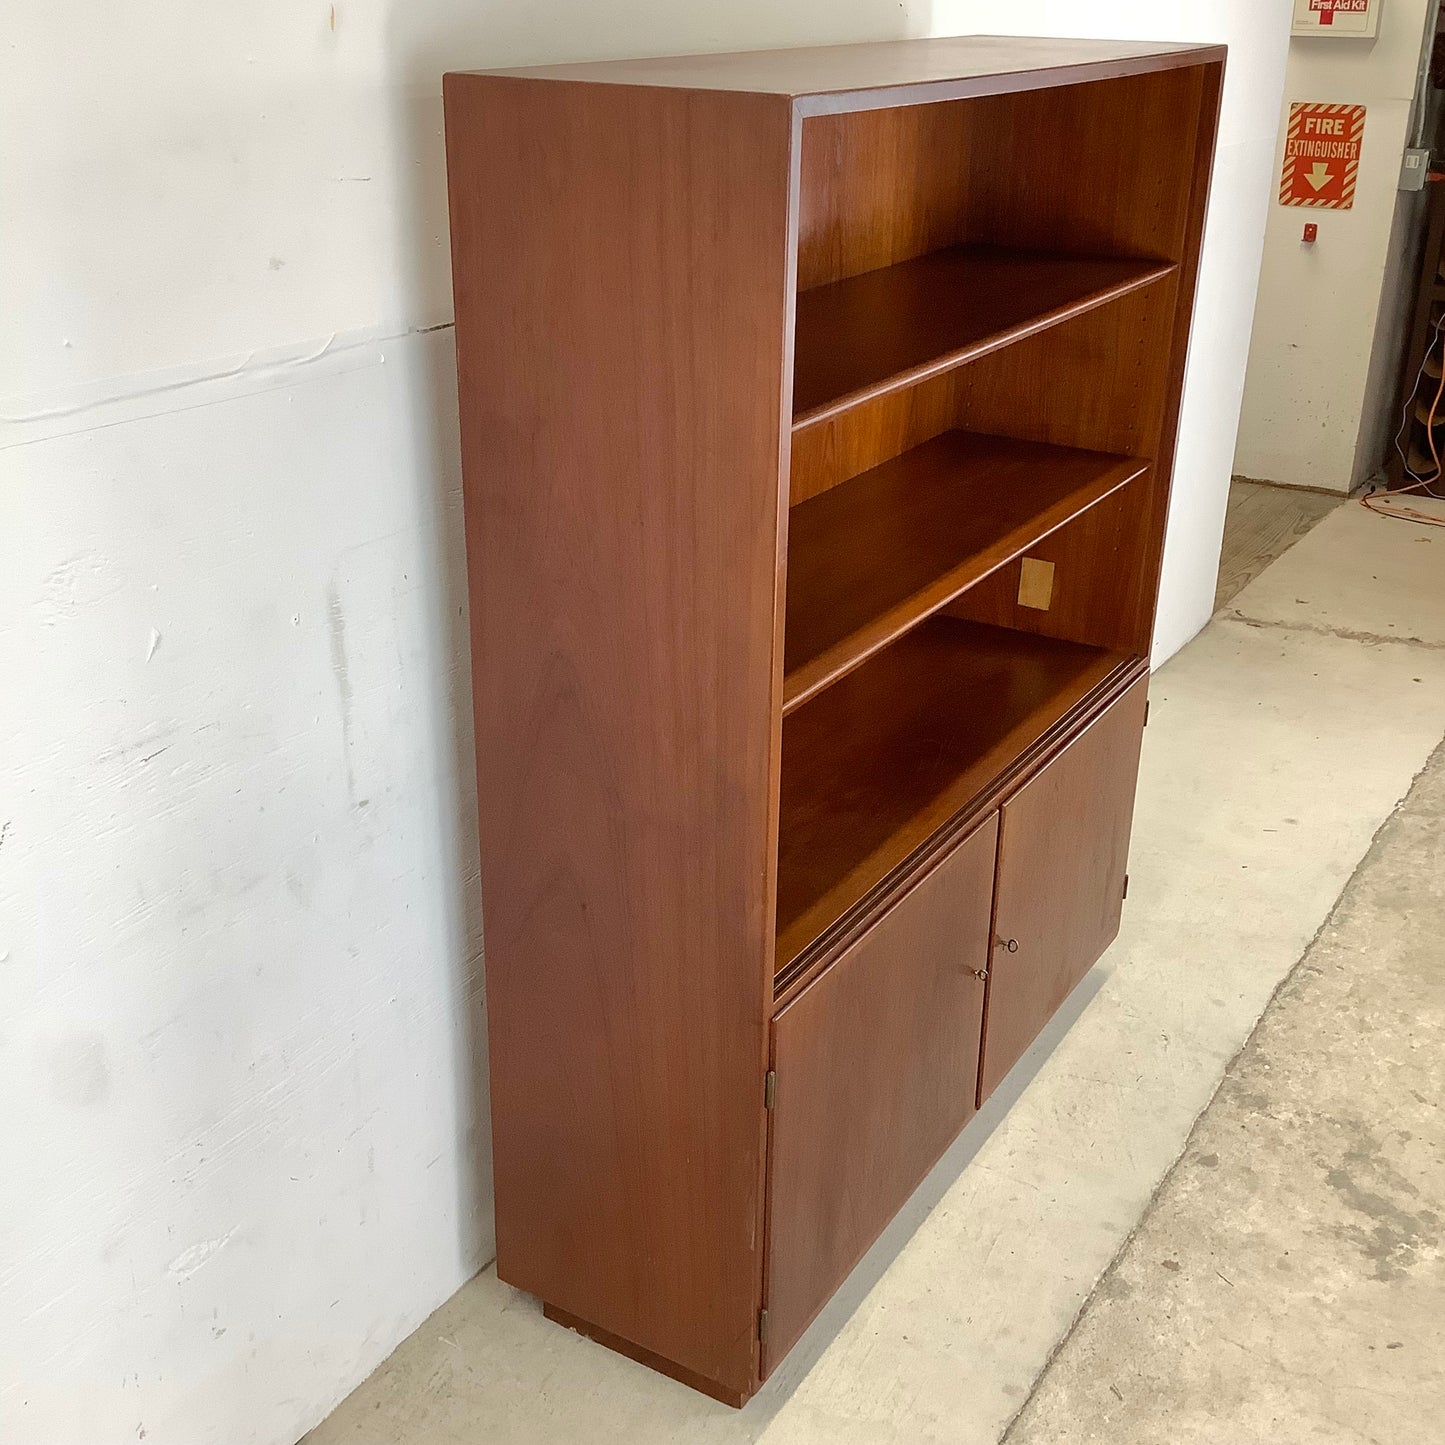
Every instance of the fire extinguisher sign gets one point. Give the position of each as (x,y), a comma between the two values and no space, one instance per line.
(1321,155)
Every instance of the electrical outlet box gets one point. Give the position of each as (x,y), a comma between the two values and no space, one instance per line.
(1413,168)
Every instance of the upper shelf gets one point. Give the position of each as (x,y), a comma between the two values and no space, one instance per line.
(871,557)
(887,329)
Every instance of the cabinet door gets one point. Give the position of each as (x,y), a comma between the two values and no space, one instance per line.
(876,1064)
(1063,847)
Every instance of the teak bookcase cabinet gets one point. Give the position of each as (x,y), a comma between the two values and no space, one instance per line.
(818,412)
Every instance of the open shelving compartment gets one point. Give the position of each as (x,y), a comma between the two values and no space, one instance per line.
(984,372)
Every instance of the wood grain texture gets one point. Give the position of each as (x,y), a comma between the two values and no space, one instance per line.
(870,433)
(621,263)
(1097,382)
(1090,382)
(887,329)
(876,1069)
(897,72)
(1113,179)
(1108,380)
(1062,853)
(644,390)
(881,186)
(1103,382)
(876,764)
(1262,523)
(1087,603)
(869,559)
(813,958)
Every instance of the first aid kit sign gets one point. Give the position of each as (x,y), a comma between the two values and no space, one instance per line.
(1337,19)
(1321,155)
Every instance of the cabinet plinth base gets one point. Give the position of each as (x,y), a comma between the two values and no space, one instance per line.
(735,1398)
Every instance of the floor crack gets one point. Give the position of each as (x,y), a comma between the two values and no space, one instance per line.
(1111,1270)
(1345,634)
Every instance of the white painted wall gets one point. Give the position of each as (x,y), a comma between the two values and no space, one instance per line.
(244,1146)
(1320,391)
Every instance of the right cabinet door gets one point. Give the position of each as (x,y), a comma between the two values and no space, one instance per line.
(1062,851)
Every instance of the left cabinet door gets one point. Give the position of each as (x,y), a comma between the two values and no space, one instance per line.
(876,1063)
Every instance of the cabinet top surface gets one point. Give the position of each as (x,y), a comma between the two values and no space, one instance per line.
(978,62)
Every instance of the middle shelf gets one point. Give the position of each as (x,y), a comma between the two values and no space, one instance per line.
(869,558)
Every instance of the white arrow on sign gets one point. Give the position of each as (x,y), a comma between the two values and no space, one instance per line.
(1319,176)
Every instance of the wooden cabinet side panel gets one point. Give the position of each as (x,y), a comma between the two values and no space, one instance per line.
(1062,853)
(876,1066)
(622,281)
(1147,573)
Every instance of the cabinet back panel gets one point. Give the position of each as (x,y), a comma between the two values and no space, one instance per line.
(879,187)
(1107,563)
(1098,169)
(867,435)
(1094,595)
(1097,382)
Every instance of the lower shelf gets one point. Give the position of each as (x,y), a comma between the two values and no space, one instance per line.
(877,763)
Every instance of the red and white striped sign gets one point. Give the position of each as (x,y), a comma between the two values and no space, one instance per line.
(1321,155)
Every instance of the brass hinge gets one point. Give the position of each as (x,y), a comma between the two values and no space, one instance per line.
(1146,712)
(762,1327)
(1126,885)
(770,1089)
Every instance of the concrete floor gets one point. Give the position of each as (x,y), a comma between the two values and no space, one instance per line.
(1288,1284)
(1280,740)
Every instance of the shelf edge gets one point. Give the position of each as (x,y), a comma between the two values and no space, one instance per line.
(975,350)
(819,673)
(813,957)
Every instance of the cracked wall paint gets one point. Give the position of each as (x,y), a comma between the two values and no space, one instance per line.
(241,949)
